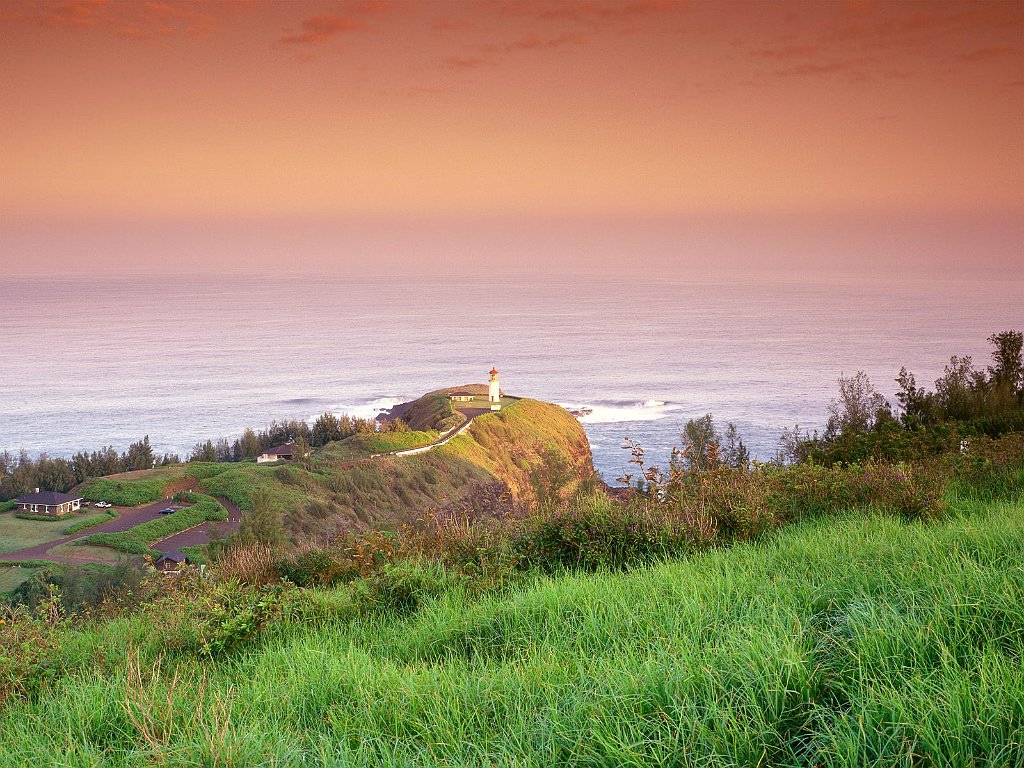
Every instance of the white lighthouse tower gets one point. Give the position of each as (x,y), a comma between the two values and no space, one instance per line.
(494,391)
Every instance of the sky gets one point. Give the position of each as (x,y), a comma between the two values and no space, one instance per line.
(690,137)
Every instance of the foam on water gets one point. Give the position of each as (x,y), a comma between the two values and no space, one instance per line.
(598,412)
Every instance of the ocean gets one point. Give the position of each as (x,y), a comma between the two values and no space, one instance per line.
(89,361)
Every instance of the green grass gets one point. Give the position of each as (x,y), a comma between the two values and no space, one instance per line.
(359,447)
(16,534)
(836,643)
(12,576)
(127,492)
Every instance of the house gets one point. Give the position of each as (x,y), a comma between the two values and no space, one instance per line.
(461,397)
(48,503)
(278,453)
(171,561)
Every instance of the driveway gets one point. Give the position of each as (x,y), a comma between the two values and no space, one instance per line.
(128,518)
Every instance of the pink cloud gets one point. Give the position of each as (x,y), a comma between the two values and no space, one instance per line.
(320,29)
(465,63)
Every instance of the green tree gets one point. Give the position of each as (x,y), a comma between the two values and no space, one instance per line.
(263,524)
(139,455)
(701,444)
(858,408)
(326,429)
(204,452)
(1007,363)
(734,452)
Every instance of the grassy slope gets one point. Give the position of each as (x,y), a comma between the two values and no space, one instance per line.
(859,642)
(343,491)
(527,444)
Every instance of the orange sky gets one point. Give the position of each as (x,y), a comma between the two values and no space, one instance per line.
(169,111)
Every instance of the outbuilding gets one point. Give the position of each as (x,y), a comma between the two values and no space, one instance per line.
(171,561)
(48,503)
(277,453)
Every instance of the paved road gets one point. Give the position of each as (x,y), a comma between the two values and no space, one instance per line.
(202,533)
(470,414)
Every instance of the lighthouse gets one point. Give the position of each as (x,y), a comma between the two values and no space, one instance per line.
(494,390)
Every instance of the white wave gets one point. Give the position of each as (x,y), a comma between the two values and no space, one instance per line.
(366,410)
(607,413)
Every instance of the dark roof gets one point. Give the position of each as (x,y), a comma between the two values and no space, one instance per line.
(174,555)
(279,450)
(461,394)
(49,498)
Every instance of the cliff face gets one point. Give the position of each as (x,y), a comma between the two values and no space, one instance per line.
(539,451)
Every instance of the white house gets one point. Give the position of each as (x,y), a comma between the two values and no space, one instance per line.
(49,503)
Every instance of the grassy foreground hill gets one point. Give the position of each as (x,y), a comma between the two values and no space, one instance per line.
(859,641)
(532,450)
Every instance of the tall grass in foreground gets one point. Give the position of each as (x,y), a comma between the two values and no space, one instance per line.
(858,641)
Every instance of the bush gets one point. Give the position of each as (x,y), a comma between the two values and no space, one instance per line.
(83,587)
(43,518)
(126,493)
(81,525)
(400,589)
(597,533)
(7,506)
(236,616)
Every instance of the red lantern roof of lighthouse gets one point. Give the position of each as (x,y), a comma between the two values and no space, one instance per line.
(494,371)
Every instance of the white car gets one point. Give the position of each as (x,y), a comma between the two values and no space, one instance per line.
(102,504)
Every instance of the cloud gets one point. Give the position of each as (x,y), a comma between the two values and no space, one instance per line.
(984,54)
(536,43)
(787,52)
(320,29)
(812,68)
(147,21)
(466,63)
(591,10)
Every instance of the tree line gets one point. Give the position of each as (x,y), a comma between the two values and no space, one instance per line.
(966,401)
(20,473)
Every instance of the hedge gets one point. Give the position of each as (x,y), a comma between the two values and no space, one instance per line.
(81,525)
(7,506)
(43,518)
(126,493)
(137,540)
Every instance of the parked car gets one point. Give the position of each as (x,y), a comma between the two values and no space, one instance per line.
(167,510)
(102,504)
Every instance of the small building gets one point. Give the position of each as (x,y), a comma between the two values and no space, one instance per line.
(278,453)
(171,561)
(461,397)
(48,503)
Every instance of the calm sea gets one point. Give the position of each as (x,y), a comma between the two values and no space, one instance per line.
(91,361)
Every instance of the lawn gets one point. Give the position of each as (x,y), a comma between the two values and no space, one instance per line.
(16,534)
(857,641)
(11,577)
(76,550)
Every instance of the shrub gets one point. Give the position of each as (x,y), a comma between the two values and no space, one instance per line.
(126,493)
(29,642)
(400,589)
(597,533)
(236,616)
(90,522)
(43,518)
(7,506)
